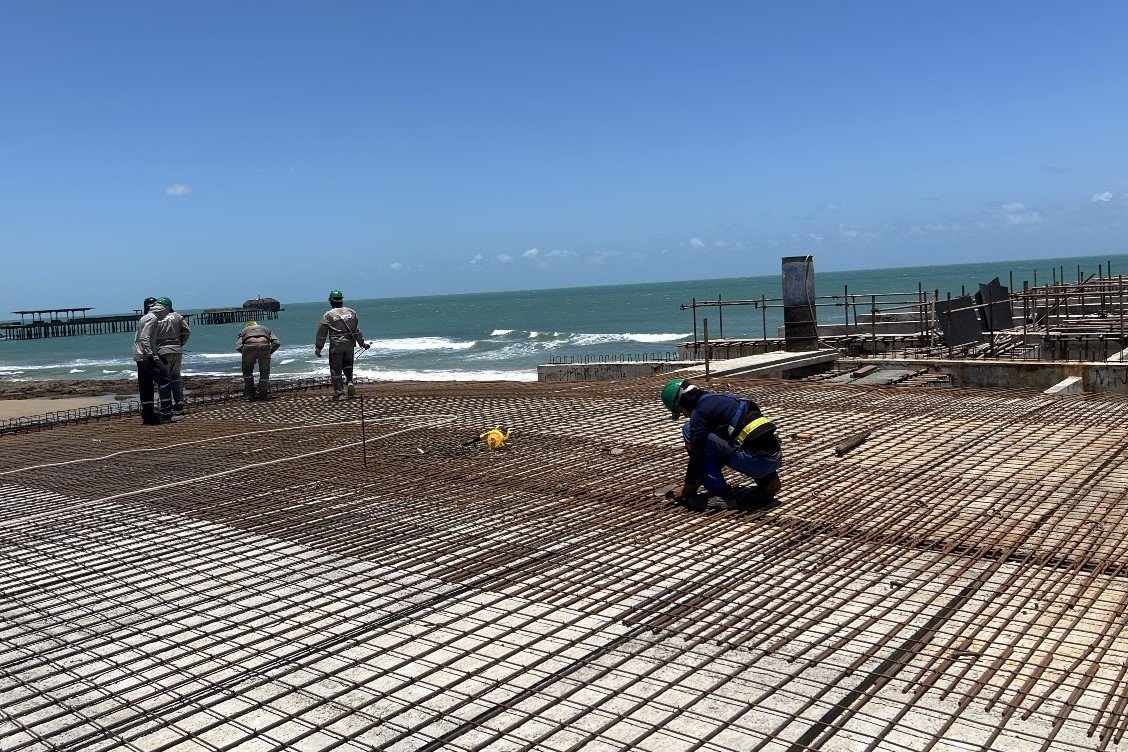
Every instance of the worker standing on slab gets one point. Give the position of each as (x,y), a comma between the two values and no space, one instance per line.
(723,431)
(342,326)
(150,368)
(172,332)
(256,343)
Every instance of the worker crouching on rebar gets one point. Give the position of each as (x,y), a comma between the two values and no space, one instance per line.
(723,431)
(256,343)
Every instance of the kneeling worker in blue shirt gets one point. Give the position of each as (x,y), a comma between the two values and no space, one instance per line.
(723,431)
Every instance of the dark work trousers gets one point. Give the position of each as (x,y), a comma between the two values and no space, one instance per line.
(720,454)
(148,371)
(340,368)
(260,354)
(172,361)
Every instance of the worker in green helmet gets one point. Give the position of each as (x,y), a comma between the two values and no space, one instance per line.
(723,430)
(341,326)
(150,367)
(172,333)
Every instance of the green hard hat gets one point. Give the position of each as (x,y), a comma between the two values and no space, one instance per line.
(670,394)
(166,302)
(336,295)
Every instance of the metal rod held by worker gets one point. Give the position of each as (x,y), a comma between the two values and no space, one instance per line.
(850,442)
(705,330)
(363,433)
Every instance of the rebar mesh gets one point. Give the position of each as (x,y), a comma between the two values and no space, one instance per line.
(242,580)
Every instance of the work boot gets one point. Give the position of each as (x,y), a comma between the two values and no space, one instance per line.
(249,390)
(769,484)
(337,396)
(263,396)
(179,407)
(169,419)
(352,390)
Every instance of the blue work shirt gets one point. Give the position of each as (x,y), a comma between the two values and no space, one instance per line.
(713,413)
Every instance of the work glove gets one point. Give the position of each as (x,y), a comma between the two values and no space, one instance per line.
(686,492)
(317,353)
(366,345)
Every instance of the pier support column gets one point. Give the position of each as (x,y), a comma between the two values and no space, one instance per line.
(799,318)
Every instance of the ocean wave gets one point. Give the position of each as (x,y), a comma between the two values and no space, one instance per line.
(77,370)
(586,338)
(78,362)
(287,361)
(420,344)
(440,374)
(599,339)
(22,368)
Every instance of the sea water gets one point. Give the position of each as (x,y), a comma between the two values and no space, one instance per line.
(506,335)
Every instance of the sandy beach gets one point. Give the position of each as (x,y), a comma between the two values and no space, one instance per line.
(22,408)
(27,398)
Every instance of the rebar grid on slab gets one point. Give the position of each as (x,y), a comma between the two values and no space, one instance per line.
(240,581)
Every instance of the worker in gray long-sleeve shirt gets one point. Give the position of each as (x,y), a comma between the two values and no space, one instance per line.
(172,333)
(342,327)
(256,343)
(150,368)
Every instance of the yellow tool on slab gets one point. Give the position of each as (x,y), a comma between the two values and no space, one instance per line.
(495,438)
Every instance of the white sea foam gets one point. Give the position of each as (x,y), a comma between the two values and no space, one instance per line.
(501,332)
(438,374)
(101,362)
(19,369)
(599,339)
(77,370)
(421,344)
(287,361)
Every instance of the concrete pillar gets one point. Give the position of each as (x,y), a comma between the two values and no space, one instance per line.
(799,317)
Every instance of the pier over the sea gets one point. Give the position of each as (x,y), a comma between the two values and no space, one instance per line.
(233,315)
(64,322)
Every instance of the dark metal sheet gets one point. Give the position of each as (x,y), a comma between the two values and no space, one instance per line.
(959,327)
(997,313)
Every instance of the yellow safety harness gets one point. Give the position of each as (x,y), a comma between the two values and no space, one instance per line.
(756,427)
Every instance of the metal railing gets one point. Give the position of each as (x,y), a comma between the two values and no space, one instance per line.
(131,408)
(652,357)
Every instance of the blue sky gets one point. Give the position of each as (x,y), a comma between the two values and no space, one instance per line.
(214,151)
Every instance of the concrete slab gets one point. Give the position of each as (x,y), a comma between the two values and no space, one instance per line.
(1071,385)
(771,365)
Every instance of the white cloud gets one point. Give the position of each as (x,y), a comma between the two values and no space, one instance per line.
(395,266)
(830,205)
(530,254)
(178,189)
(504,258)
(853,233)
(600,256)
(476,259)
(560,253)
(1015,214)
(1102,198)
(697,242)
